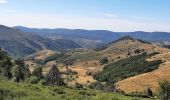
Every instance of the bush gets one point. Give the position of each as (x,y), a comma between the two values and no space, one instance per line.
(78,85)
(149,92)
(104,61)
(164,91)
(96,85)
(33,80)
(42,82)
(107,87)
(59,91)
(137,51)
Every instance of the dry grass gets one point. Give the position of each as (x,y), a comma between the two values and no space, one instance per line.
(43,54)
(141,82)
(82,78)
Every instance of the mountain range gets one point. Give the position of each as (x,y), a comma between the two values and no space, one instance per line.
(97,38)
(20,44)
(21,41)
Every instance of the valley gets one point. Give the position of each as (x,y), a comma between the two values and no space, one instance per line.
(126,65)
(86,63)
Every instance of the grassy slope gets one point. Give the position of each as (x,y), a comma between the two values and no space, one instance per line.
(22,91)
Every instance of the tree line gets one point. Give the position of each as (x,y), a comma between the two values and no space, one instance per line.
(18,71)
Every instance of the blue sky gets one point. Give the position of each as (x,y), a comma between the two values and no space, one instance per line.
(114,15)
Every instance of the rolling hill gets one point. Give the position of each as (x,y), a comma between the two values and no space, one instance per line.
(15,84)
(20,44)
(86,62)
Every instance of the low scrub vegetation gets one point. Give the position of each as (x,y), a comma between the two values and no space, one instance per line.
(23,91)
(128,67)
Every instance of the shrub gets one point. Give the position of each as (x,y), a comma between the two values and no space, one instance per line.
(96,85)
(33,80)
(107,87)
(149,92)
(104,61)
(164,91)
(137,51)
(78,85)
(59,91)
(42,82)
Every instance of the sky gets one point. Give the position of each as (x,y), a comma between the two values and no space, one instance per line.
(114,15)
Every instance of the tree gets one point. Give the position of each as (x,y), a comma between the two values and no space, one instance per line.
(27,72)
(37,72)
(24,70)
(67,64)
(5,65)
(17,73)
(54,77)
(104,61)
(164,90)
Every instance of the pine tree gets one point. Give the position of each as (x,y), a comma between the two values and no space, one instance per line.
(37,72)
(54,77)
(25,72)
(5,65)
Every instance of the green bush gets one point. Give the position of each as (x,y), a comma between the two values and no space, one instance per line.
(33,80)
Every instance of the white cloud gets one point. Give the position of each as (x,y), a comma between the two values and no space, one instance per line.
(3,1)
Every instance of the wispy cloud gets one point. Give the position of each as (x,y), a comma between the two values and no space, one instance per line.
(111,15)
(3,1)
(39,20)
(142,18)
(8,10)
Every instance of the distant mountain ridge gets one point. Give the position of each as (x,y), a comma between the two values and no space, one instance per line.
(95,38)
(20,44)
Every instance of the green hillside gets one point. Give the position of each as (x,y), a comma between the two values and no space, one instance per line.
(128,67)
